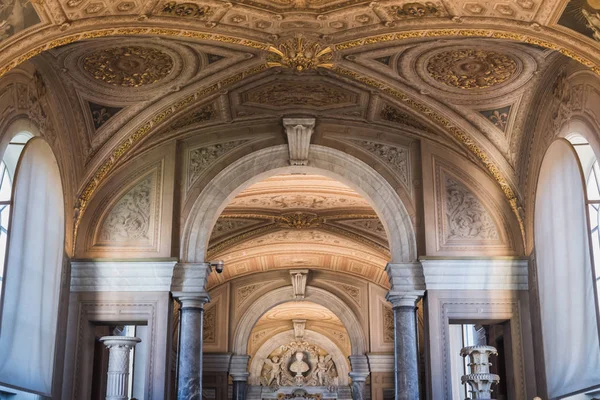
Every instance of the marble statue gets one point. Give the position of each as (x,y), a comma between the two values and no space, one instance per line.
(275,364)
(299,366)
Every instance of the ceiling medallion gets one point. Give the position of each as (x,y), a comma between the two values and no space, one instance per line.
(300,55)
(130,66)
(471,69)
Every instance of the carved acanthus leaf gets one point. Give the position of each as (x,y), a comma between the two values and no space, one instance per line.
(226,226)
(466,217)
(244,292)
(388,324)
(371,225)
(201,158)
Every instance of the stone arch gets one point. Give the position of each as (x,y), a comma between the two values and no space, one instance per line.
(358,340)
(286,337)
(322,161)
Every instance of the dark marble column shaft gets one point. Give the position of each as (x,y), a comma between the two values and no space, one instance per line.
(190,348)
(406,354)
(239,390)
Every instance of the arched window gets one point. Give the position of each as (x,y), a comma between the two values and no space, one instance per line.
(8,167)
(591,171)
(32,266)
(565,270)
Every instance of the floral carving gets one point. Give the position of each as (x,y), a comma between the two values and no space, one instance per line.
(395,156)
(471,68)
(189,10)
(200,158)
(203,114)
(300,220)
(388,324)
(131,66)
(129,219)
(209,333)
(101,114)
(417,10)
(293,201)
(372,225)
(225,226)
(466,217)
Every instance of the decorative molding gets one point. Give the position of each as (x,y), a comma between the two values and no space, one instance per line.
(299,131)
(299,327)
(212,362)
(245,292)
(121,276)
(381,362)
(397,116)
(476,274)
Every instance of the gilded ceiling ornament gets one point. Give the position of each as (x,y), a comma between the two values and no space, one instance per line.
(189,10)
(130,66)
(299,220)
(300,54)
(471,68)
(416,10)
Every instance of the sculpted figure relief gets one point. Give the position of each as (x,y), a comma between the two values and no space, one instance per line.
(299,364)
(275,364)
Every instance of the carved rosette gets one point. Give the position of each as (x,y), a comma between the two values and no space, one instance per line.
(471,68)
(130,66)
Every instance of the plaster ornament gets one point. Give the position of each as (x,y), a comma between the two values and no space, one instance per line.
(417,10)
(186,10)
(299,394)
(129,66)
(396,157)
(201,158)
(300,55)
(129,219)
(466,217)
(471,68)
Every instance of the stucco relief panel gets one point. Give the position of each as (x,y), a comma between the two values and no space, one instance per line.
(463,216)
(132,220)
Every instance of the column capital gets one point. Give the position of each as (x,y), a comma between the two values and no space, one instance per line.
(238,368)
(120,341)
(406,299)
(192,300)
(190,278)
(360,368)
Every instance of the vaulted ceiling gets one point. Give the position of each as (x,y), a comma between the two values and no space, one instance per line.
(136,74)
(299,221)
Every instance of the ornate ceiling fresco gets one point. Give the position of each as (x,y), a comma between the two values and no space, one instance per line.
(299,221)
(460,73)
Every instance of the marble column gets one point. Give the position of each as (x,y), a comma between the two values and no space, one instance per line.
(407,287)
(119,349)
(406,348)
(190,347)
(239,374)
